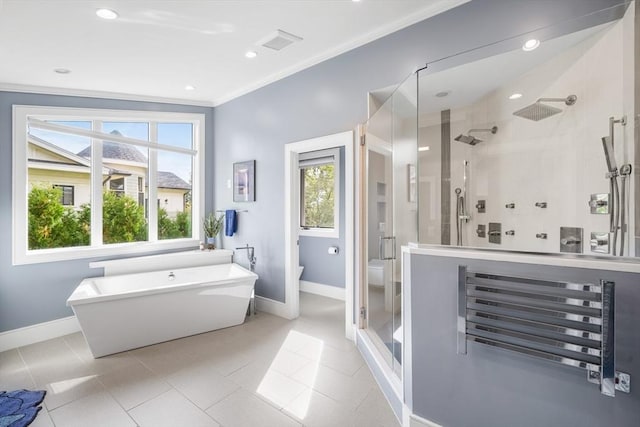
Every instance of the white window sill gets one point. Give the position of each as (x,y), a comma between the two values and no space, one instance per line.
(68,254)
(319,232)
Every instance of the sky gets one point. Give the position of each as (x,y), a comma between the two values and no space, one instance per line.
(173,134)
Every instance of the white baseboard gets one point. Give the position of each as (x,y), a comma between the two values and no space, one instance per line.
(416,421)
(323,290)
(271,306)
(40,332)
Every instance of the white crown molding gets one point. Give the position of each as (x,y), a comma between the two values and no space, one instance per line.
(47,90)
(391,27)
(37,333)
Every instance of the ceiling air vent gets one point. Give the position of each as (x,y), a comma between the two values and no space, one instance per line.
(278,40)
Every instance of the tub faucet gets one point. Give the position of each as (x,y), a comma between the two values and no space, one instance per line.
(250,255)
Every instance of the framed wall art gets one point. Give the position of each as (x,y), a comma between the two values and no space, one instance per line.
(244,181)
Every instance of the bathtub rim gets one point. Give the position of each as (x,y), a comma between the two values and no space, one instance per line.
(75,299)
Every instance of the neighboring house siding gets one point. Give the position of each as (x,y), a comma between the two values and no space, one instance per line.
(131,186)
(80,182)
(171,200)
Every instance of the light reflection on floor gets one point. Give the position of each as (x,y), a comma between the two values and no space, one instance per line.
(64,386)
(274,385)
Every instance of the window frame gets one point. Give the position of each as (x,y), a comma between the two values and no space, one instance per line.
(62,188)
(334,232)
(20,185)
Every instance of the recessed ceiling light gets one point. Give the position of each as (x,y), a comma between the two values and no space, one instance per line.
(424,148)
(529,45)
(62,70)
(189,87)
(515,96)
(107,13)
(251,54)
(443,94)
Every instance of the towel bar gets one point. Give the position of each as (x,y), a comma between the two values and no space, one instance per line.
(563,322)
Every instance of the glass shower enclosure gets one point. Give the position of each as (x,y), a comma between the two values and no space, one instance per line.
(391,190)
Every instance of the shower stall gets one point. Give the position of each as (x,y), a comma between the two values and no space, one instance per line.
(526,170)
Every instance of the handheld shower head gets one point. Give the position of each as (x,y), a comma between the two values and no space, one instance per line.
(472,140)
(609,154)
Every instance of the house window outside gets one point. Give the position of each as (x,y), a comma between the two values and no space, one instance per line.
(64,143)
(141,195)
(116,186)
(66,196)
(319,193)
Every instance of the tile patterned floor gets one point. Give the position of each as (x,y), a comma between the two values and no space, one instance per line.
(266,372)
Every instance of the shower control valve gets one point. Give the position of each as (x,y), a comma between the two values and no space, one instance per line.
(510,205)
(570,241)
(542,205)
(494,233)
(598,203)
(510,232)
(541,236)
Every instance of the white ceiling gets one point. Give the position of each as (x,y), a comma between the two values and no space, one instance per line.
(467,83)
(156,48)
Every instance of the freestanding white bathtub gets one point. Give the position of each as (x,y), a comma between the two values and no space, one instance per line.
(122,312)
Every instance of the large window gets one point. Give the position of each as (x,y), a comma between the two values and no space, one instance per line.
(319,193)
(113,163)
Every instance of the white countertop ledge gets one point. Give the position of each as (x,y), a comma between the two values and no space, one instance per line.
(627,265)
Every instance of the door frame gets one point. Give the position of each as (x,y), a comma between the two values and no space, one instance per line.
(291,221)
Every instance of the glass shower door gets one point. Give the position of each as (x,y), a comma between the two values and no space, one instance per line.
(391,144)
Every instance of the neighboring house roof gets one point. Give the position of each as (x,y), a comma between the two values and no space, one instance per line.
(74,158)
(114,150)
(171,180)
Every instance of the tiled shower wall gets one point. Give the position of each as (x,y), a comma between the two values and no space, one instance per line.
(558,160)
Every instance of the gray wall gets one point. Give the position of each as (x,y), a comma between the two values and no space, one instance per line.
(319,266)
(331,97)
(36,293)
(493,387)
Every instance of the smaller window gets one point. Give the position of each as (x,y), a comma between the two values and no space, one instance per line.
(116,185)
(319,193)
(66,198)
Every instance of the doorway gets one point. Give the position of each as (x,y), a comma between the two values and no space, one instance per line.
(294,152)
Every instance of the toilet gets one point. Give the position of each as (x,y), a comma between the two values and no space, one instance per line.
(376,272)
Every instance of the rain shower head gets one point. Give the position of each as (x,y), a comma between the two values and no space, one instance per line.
(538,111)
(472,140)
(467,139)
